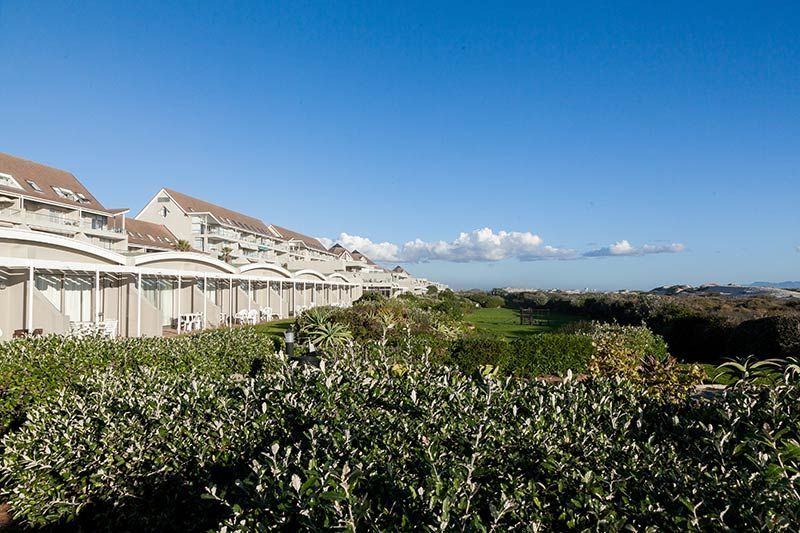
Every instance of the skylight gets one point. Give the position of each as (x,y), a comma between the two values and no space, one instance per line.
(66,193)
(9,181)
(34,186)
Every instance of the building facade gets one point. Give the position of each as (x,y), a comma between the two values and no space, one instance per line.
(68,263)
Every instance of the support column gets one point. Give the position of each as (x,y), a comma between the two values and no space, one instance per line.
(97,296)
(139,306)
(205,302)
(249,295)
(29,307)
(230,301)
(179,304)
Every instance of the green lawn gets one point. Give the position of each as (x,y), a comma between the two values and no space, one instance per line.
(505,322)
(274,328)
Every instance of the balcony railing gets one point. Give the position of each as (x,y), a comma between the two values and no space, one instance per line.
(56,220)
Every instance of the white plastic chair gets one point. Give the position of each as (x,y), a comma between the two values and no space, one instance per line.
(240,317)
(252,317)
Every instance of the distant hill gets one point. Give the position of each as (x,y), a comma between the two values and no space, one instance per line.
(727,290)
(778,284)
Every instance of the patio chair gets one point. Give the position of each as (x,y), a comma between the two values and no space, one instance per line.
(252,317)
(240,317)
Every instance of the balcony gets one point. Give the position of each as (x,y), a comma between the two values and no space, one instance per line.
(59,223)
(224,233)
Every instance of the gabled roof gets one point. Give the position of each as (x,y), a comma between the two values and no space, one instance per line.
(143,233)
(338,250)
(358,256)
(191,204)
(291,235)
(399,270)
(47,180)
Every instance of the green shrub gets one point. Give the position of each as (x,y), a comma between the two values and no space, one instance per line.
(362,443)
(129,449)
(34,368)
(371,296)
(485,300)
(774,336)
(473,352)
(549,353)
(635,353)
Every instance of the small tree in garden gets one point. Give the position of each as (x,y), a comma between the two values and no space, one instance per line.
(225,254)
(183,246)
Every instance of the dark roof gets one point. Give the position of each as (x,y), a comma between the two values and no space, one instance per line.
(148,234)
(46,178)
(399,270)
(224,215)
(337,249)
(358,256)
(291,235)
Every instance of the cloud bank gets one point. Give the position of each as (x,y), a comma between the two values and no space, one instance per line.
(624,248)
(481,245)
(486,245)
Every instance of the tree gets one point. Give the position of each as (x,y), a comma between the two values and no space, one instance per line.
(183,246)
(225,254)
(433,289)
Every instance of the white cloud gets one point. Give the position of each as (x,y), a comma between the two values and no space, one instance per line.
(377,251)
(481,245)
(624,248)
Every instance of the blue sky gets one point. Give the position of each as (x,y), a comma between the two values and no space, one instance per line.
(628,145)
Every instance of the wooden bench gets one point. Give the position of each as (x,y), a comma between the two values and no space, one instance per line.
(534,317)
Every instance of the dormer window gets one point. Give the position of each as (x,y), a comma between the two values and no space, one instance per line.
(9,181)
(66,193)
(34,186)
(82,199)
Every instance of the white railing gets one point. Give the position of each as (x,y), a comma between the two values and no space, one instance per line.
(56,219)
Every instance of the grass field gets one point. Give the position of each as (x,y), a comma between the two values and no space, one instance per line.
(274,328)
(505,322)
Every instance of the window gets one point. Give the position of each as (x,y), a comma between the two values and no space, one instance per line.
(163,199)
(34,186)
(82,199)
(9,181)
(66,193)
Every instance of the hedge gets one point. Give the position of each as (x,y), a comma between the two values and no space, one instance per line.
(362,444)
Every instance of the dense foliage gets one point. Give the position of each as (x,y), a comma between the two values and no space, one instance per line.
(697,327)
(412,421)
(35,368)
(367,444)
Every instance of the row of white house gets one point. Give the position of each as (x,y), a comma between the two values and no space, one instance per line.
(69,264)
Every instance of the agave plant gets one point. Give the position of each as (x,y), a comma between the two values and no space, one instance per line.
(330,335)
(752,370)
(313,319)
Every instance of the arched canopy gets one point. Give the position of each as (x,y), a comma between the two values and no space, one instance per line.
(184,261)
(36,245)
(336,276)
(266,269)
(309,275)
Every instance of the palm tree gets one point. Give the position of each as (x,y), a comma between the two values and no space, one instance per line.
(225,254)
(183,246)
